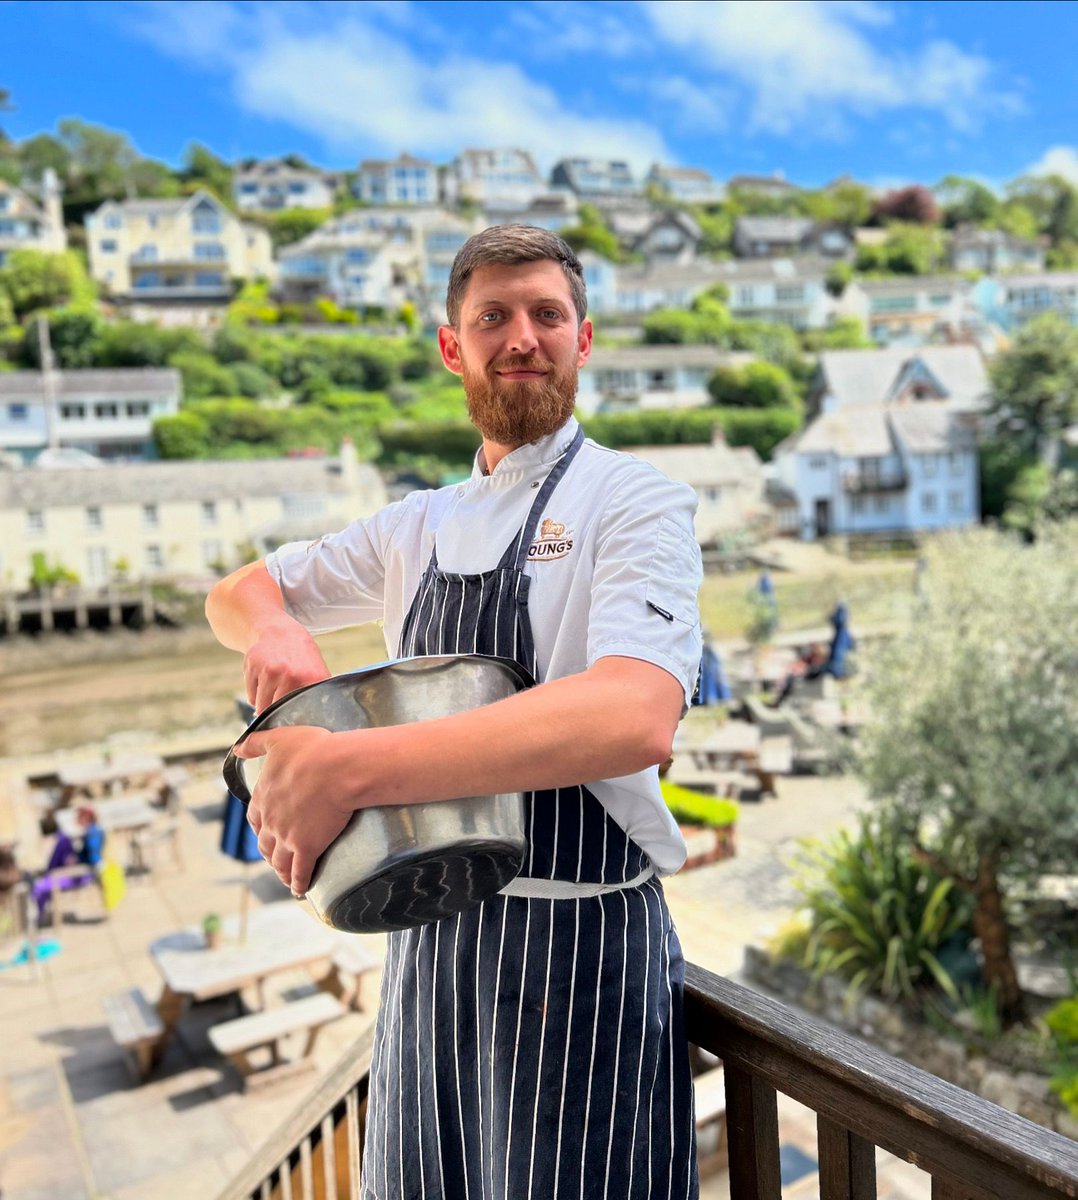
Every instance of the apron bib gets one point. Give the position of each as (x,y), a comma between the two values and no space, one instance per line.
(533,1046)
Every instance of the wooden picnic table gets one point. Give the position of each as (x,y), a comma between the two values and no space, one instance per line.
(122,815)
(848,716)
(281,936)
(96,777)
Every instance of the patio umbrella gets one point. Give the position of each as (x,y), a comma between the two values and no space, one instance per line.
(842,641)
(712,687)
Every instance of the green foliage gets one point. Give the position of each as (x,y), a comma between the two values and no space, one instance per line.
(754,385)
(202,375)
(292,225)
(592,233)
(184,435)
(696,808)
(7,310)
(75,336)
(1035,383)
(45,575)
(717,227)
(762,429)
(655,427)
(35,279)
(877,915)
(967,202)
(909,249)
(775,343)
(839,277)
(1040,496)
(133,344)
(203,169)
(453,443)
(251,381)
(844,333)
(1002,461)
(1053,202)
(1062,1020)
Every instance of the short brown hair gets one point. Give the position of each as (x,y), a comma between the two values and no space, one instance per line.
(509,245)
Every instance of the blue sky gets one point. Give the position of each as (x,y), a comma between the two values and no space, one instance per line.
(887,92)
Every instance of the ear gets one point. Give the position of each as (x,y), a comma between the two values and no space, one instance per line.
(449,345)
(583,342)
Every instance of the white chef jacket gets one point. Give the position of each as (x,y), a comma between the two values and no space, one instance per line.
(614,568)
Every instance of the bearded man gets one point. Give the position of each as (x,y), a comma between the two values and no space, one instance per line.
(534,1045)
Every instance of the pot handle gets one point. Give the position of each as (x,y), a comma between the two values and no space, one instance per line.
(234,777)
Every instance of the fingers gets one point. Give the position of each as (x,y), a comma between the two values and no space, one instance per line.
(302,870)
(252,746)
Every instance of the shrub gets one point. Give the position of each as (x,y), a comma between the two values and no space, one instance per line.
(696,808)
(878,916)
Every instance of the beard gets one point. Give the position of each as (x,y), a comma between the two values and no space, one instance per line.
(514,412)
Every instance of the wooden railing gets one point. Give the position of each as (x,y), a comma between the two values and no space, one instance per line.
(863,1098)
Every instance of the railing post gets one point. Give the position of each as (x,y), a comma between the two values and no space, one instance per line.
(752,1122)
(847,1163)
(945,1189)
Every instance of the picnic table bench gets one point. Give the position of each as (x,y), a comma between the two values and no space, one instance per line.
(265,1030)
(136,1026)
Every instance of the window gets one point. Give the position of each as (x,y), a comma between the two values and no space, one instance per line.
(138,408)
(211,553)
(35,521)
(114,221)
(882,504)
(954,462)
(18,412)
(147,252)
(249,189)
(148,279)
(939,299)
(929,466)
(206,222)
(857,505)
(97,564)
(357,256)
(746,295)
(890,304)
(955,504)
(209,512)
(150,516)
(817,463)
(106,410)
(208,279)
(297,189)
(108,246)
(660,381)
(155,560)
(790,294)
(928,502)
(72,412)
(209,251)
(94,520)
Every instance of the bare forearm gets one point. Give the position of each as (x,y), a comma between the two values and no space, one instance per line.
(244,604)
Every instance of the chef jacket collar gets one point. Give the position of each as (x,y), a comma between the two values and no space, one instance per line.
(545,452)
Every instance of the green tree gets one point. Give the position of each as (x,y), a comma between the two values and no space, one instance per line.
(846,203)
(203,375)
(203,169)
(1002,460)
(100,158)
(909,249)
(592,233)
(75,336)
(134,344)
(293,224)
(973,739)
(35,279)
(844,333)
(184,435)
(1034,385)
(755,385)
(41,151)
(1052,200)
(967,202)
(1040,496)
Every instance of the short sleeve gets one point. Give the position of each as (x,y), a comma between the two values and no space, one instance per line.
(647,578)
(339,579)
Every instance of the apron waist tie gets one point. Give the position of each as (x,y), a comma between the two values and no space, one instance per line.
(565,889)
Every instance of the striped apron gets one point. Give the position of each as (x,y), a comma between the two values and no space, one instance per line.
(533,1046)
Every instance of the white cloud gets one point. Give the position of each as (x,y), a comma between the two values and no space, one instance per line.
(562,27)
(809,63)
(1057,160)
(342,75)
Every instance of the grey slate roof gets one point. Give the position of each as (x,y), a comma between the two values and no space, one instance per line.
(774,229)
(73,385)
(660,357)
(161,482)
(702,465)
(874,431)
(865,377)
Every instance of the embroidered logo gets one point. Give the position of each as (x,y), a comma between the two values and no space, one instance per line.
(552,542)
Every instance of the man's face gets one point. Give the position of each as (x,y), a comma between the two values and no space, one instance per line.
(519,348)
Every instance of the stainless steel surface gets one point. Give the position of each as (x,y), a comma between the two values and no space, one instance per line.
(396,867)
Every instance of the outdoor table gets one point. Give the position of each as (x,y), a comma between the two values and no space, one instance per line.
(114,816)
(85,778)
(281,936)
(836,714)
(728,745)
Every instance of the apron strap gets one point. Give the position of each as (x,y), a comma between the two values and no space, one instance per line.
(564,889)
(519,556)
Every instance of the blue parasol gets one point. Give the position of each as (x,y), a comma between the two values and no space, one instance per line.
(238,839)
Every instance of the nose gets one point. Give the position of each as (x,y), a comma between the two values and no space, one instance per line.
(520,335)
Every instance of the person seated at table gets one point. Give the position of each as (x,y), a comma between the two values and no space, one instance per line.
(811,663)
(89,851)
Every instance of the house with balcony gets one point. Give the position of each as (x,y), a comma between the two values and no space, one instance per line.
(175,519)
(671,236)
(1008,301)
(641,288)
(891,443)
(779,237)
(401,180)
(32,223)
(502,179)
(355,267)
(191,248)
(686,185)
(631,378)
(106,413)
(910,310)
(553,210)
(273,184)
(992,251)
(775,186)
(596,179)
(782,291)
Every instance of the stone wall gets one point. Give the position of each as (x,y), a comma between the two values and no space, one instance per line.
(1001,1078)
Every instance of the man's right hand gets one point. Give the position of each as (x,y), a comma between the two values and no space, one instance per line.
(284,657)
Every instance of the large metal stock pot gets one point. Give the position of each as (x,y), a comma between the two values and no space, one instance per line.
(400,866)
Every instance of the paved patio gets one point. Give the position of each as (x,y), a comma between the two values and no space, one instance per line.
(75,1126)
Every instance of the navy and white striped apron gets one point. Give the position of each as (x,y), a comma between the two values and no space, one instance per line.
(533,1046)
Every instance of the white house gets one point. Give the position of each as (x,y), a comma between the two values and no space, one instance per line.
(1010,300)
(596,178)
(174,519)
(907,310)
(782,291)
(403,180)
(273,184)
(729,484)
(992,250)
(502,178)
(630,378)
(107,413)
(553,210)
(892,447)
(29,224)
(687,185)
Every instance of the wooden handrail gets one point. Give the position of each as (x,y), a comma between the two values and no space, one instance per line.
(970,1145)
(863,1097)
